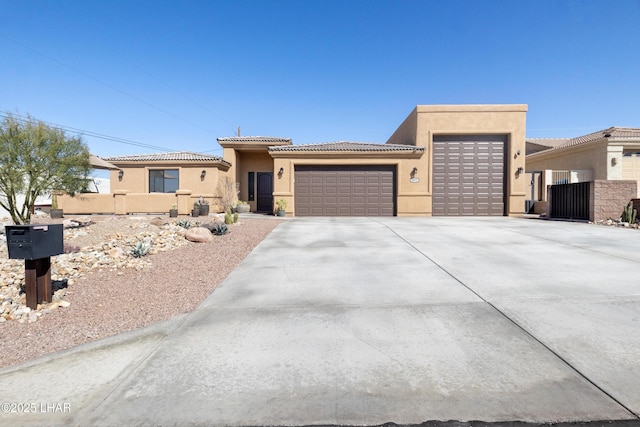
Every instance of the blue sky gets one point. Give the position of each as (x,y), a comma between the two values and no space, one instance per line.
(175,75)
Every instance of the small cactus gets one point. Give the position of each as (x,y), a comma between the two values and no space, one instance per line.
(228,218)
(629,214)
(235,217)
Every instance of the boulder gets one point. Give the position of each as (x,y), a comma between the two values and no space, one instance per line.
(83,220)
(158,222)
(199,235)
(67,223)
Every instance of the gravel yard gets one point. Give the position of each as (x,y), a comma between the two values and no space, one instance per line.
(109,299)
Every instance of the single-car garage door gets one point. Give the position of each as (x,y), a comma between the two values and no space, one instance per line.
(344,190)
(469,175)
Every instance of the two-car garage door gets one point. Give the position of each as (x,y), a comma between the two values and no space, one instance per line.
(469,175)
(344,190)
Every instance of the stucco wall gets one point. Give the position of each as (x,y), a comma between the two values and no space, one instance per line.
(406,132)
(135,179)
(590,157)
(425,121)
(251,161)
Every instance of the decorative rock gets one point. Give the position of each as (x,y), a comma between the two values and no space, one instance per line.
(111,254)
(67,223)
(158,222)
(84,220)
(199,235)
(117,253)
(64,304)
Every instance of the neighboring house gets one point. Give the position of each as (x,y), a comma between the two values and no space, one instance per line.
(611,155)
(442,160)
(94,185)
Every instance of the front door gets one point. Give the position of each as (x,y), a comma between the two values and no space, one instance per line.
(265,192)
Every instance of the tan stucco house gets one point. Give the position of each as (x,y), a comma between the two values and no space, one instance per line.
(609,158)
(442,160)
(611,154)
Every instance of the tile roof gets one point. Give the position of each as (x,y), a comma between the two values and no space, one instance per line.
(348,146)
(268,139)
(612,134)
(548,142)
(172,156)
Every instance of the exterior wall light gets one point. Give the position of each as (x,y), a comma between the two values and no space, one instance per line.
(520,170)
(281,171)
(414,171)
(203,174)
(120,174)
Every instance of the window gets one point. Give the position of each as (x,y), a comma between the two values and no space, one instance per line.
(251,184)
(163,181)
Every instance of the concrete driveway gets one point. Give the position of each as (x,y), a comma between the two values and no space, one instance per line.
(361,321)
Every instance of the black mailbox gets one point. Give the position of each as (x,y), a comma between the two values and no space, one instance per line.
(34,241)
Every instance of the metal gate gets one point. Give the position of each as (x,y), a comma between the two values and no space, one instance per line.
(570,200)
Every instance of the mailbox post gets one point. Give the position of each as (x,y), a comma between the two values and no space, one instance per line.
(36,244)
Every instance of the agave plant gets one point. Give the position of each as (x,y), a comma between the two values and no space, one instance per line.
(183,223)
(219,229)
(142,248)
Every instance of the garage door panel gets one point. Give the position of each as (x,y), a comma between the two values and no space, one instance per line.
(468,175)
(345,190)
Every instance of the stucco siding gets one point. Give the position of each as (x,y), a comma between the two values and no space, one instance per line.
(406,132)
(589,157)
(509,120)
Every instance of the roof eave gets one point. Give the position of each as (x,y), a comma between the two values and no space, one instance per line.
(405,154)
(566,148)
(142,163)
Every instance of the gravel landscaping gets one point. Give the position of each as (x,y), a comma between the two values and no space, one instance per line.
(108,291)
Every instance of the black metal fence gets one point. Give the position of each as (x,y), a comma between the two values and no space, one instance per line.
(570,200)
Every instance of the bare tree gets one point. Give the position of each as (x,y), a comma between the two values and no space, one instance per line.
(227,191)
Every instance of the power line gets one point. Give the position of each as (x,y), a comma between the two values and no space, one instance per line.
(107,84)
(92,134)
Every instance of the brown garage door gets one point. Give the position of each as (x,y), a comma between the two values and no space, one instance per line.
(344,191)
(469,175)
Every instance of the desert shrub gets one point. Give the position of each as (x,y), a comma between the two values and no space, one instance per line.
(219,229)
(183,223)
(142,248)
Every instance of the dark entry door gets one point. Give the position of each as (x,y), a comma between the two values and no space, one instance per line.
(265,192)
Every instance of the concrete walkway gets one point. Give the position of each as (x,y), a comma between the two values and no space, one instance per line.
(362,321)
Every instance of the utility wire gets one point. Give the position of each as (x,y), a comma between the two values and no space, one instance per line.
(106,84)
(93,134)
